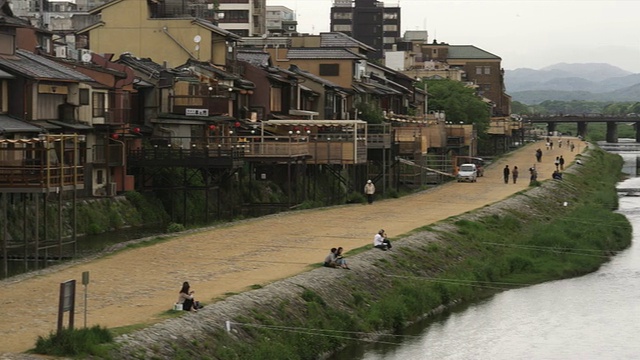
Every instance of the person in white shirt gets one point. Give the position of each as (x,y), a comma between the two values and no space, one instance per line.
(369,190)
(380,241)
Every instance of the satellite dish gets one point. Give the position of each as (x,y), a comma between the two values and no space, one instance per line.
(86,57)
(197,39)
(264,36)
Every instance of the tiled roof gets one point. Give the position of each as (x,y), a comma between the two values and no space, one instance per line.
(319,53)
(208,67)
(469,52)
(341,40)
(38,67)
(145,65)
(313,77)
(256,58)
(11,125)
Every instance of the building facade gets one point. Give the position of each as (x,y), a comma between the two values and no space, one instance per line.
(281,20)
(243,17)
(368,21)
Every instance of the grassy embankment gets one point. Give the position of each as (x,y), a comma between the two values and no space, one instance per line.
(531,239)
(477,256)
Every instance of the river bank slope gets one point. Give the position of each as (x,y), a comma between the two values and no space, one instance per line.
(528,238)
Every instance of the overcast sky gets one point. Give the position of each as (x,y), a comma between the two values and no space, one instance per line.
(531,34)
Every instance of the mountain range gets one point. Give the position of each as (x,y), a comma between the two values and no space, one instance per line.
(566,82)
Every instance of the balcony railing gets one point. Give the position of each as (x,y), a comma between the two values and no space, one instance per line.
(199,105)
(36,176)
(117,116)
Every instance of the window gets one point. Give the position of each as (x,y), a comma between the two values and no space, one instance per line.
(390,27)
(84,96)
(487,70)
(7,45)
(99,177)
(478,70)
(393,15)
(235,16)
(276,99)
(389,40)
(98,104)
(342,15)
(341,27)
(329,69)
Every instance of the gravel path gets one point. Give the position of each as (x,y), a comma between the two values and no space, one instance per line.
(135,286)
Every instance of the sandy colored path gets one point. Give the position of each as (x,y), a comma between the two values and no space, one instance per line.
(134,286)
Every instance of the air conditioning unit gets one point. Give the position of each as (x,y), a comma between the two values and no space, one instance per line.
(61,52)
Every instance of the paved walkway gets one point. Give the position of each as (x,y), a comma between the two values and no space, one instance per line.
(135,286)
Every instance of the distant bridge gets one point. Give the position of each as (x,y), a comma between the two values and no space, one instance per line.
(582,121)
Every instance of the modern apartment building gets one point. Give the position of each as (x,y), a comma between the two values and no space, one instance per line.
(368,21)
(281,20)
(243,17)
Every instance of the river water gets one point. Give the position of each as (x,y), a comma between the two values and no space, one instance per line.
(596,316)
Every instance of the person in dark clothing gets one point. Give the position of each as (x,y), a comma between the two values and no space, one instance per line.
(514,174)
(539,155)
(561,162)
(506,173)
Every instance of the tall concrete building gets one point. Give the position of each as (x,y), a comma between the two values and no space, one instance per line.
(368,21)
(244,18)
(281,20)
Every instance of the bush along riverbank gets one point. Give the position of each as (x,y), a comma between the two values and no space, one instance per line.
(555,230)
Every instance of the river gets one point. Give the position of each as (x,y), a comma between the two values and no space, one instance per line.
(596,316)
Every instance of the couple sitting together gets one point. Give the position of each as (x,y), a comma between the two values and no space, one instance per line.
(335,259)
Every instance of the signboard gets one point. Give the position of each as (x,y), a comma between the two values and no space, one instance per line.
(197,112)
(67,302)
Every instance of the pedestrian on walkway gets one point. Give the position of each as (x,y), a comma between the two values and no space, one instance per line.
(557,162)
(369,190)
(505,174)
(514,174)
(539,155)
(561,162)
(534,175)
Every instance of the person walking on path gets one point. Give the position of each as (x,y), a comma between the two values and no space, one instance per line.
(561,162)
(557,162)
(514,174)
(539,155)
(505,174)
(534,175)
(369,190)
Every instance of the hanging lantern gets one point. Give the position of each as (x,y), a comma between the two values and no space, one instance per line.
(212,127)
(115,136)
(237,124)
(136,130)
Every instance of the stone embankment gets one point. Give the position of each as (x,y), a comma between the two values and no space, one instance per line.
(161,340)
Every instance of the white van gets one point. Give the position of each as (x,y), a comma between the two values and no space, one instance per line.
(467,172)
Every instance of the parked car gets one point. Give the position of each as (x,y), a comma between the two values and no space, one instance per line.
(468,172)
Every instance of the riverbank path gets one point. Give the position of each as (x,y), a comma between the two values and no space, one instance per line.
(135,286)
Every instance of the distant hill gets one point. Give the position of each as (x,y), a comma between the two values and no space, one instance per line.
(593,82)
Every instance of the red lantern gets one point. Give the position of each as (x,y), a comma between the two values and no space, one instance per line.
(295,128)
(212,127)
(237,124)
(115,136)
(136,130)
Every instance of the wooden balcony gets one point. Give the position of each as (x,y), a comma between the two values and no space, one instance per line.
(28,178)
(195,105)
(46,164)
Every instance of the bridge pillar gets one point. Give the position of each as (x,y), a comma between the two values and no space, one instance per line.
(551,127)
(582,129)
(637,126)
(612,132)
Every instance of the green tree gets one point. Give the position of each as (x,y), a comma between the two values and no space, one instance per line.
(459,102)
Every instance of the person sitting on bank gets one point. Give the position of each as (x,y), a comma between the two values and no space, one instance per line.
(330,260)
(380,241)
(340,260)
(557,175)
(186,298)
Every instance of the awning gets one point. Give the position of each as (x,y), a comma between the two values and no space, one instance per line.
(6,75)
(45,125)
(74,126)
(11,125)
(303,122)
